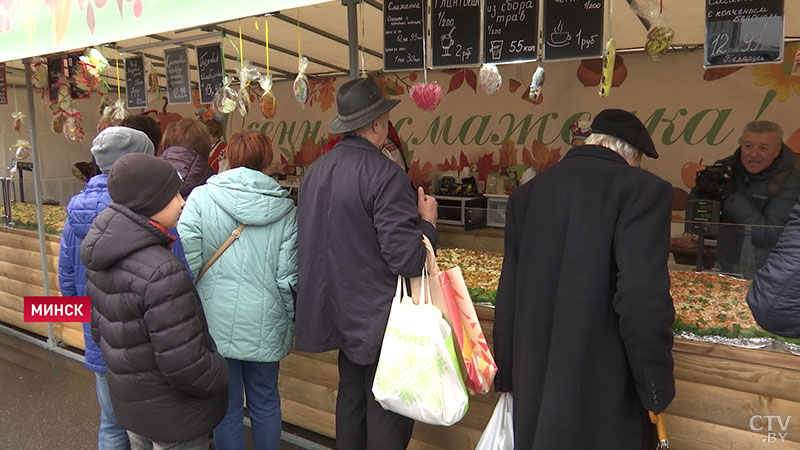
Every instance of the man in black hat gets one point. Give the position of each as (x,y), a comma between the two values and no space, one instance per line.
(582,323)
(359,225)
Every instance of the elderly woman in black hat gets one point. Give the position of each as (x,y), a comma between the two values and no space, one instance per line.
(583,314)
(359,225)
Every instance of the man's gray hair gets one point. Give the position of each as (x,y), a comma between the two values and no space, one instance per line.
(624,149)
(764,126)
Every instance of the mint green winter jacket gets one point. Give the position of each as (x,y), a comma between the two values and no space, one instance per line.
(247,293)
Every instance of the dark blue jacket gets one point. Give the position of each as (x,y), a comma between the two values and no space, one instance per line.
(774,296)
(358,226)
(81,211)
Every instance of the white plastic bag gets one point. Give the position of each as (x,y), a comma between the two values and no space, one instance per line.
(499,432)
(418,374)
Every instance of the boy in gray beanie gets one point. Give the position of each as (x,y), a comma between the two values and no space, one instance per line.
(109,145)
(168,384)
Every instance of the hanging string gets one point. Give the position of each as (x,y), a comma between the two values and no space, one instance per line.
(241,57)
(299,53)
(119,88)
(266,41)
(424,50)
(361,39)
(661,11)
(222,46)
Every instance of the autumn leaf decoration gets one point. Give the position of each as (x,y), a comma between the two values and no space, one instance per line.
(540,156)
(452,164)
(388,85)
(420,175)
(508,154)
(459,76)
(322,92)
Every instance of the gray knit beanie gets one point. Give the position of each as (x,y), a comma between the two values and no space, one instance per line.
(114,142)
(143,183)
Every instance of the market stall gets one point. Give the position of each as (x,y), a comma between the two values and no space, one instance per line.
(694,114)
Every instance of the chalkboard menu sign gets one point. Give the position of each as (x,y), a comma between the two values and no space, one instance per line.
(55,68)
(210,70)
(3,85)
(455,33)
(573,29)
(510,30)
(74,64)
(135,89)
(178,83)
(743,32)
(403,32)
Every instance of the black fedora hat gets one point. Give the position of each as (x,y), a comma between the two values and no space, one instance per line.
(624,125)
(359,102)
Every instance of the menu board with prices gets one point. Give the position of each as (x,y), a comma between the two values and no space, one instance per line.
(74,65)
(55,69)
(573,29)
(510,29)
(210,70)
(403,33)
(135,90)
(742,32)
(3,85)
(178,82)
(455,33)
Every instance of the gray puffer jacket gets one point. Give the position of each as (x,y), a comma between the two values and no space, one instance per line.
(167,381)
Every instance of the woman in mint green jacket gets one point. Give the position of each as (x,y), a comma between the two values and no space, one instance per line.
(247,293)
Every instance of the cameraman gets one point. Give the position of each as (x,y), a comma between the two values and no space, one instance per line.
(757,186)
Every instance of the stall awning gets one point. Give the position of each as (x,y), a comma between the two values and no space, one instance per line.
(34,27)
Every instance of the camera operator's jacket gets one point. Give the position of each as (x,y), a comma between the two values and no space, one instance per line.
(764,199)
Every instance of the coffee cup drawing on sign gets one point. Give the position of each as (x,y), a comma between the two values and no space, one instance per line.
(559,37)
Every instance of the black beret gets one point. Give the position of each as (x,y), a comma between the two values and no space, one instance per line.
(624,125)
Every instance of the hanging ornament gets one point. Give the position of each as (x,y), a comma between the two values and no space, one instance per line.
(64,98)
(118,112)
(72,128)
(95,62)
(660,33)
(57,124)
(226,100)
(151,75)
(247,74)
(84,79)
(490,78)
(426,96)
(39,76)
(19,151)
(609,55)
(796,64)
(537,81)
(268,102)
(300,86)
(17,118)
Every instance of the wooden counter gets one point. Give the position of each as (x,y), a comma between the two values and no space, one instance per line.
(719,388)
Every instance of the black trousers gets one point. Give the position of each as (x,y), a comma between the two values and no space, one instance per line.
(361,422)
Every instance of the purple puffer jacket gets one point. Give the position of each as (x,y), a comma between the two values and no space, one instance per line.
(193,168)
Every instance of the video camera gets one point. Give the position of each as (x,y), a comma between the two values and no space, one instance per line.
(715,182)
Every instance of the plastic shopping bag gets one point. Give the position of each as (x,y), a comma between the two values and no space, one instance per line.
(418,374)
(499,432)
(478,360)
(449,293)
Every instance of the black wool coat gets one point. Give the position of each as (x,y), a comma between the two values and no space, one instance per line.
(582,323)
(166,379)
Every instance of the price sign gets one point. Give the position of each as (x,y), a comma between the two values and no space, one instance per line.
(455,33)
(573,29)
(178,83)
(74,64)
(55,68)
(3,85)
(403,32)
(135,90)
(510,30)
(210,70)
(743,32)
